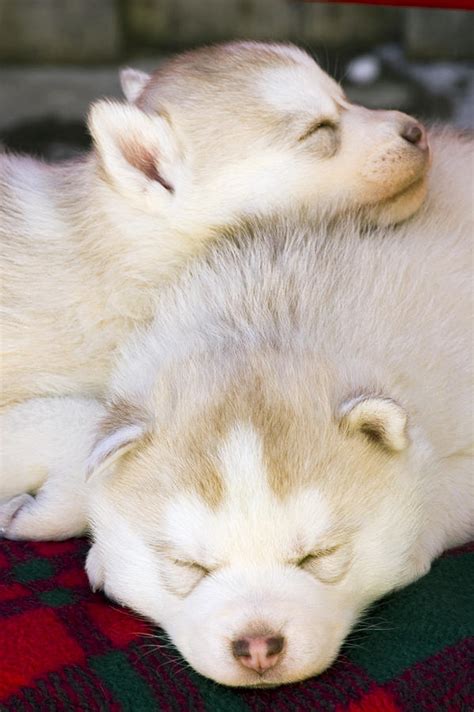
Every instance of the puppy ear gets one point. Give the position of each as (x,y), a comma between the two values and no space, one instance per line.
(133,82)
(138,153)
(120,431)
(380,419)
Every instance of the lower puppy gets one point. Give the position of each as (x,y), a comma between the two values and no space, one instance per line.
(306,449)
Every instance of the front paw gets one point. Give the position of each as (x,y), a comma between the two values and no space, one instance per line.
(9,510)
(95,569)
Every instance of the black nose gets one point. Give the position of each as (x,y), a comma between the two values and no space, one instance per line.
(413,133)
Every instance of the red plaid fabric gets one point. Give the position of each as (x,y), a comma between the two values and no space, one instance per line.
(64,648)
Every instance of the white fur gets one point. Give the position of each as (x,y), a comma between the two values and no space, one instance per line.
(260,513)
(285,88)
(43,450)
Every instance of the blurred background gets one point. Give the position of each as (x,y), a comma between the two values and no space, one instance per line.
(57,56)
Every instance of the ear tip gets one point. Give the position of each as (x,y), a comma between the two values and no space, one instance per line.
(133,81)
(108,113)
(98,108)
(104,104)
(132,72)
(127,74)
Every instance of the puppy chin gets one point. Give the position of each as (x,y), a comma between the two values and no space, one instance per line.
(401,206)
(228,672)
(272,678)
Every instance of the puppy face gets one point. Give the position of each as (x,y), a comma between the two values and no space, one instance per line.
(267,128)
(252,127)
(255,532)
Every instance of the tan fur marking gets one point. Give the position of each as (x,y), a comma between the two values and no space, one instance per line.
(202,475)
(120,414)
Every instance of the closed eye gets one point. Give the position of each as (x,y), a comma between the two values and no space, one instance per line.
(317,126)
(168,553)
(193,566)
(181,577)
(310,558)
(327,565)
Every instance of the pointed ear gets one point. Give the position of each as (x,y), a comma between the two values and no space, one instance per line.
(120,431)
(138,153)
(380,419)
(133,82)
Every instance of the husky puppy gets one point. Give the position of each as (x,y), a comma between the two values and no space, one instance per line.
(214,133)
(289,441)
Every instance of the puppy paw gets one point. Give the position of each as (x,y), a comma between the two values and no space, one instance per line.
(9,510)
(95,569)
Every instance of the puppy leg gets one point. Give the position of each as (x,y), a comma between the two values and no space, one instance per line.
(57,512)
(9,508)
(45,435)
(45,444)
(95,568)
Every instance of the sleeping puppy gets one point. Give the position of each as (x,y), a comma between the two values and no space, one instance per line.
(289,441)
(215,133)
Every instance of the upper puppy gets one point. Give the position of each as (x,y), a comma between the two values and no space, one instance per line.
(215,133)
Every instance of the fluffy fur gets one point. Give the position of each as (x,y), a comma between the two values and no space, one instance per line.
(45,440)
(302,415)
(214,134)
(309,441)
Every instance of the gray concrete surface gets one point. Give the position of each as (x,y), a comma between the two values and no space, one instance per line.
(94,31)
(60,30)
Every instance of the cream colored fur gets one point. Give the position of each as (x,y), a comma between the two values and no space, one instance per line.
(44,440)
(302,414)
(214,134)
(309,447)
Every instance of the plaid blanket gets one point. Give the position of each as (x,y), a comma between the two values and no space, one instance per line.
(64,648)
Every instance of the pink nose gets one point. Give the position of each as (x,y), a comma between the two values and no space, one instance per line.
(259,653)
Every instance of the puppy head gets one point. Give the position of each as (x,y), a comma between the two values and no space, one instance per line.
(250,127)
(256,531)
